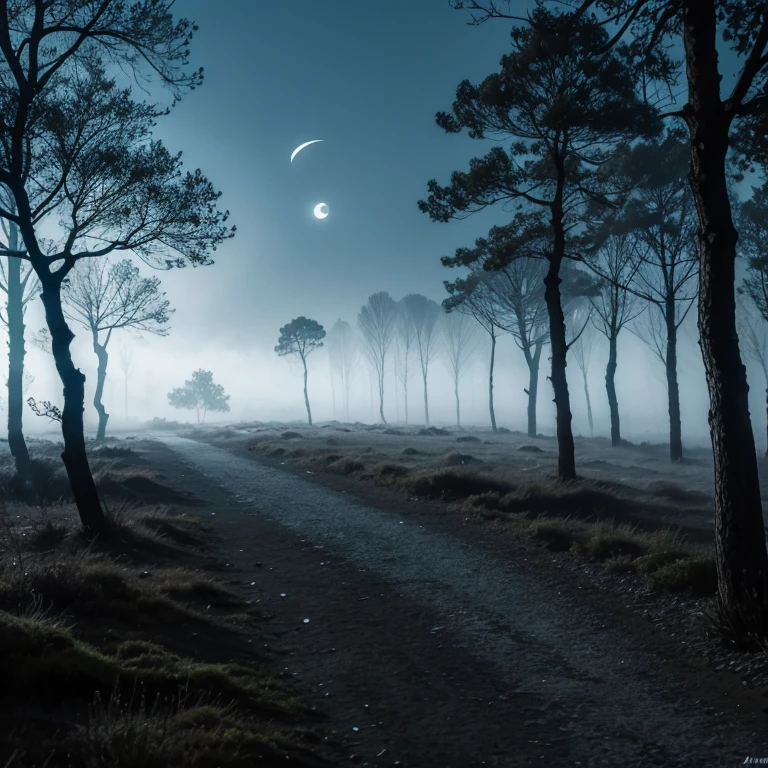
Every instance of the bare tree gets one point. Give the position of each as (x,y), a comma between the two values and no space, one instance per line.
(18,282)
(104,298)
(460,343)
(523,313)
(377,322)
(613,308)
(476,295)
(660,218)
(424,316)
(404,344)
(344,353)
(78,157)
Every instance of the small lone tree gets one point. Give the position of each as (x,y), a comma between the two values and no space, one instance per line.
(104,298)
(301,337)
(200,394)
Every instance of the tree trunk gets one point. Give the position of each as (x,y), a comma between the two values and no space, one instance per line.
(306,396)
(405,386)
(533,389)
(742,560)
(490,381)
(589,405)
(566,452)
(426,401)
(381,394)
(126,397)
(766,422)
(74,456)
(333,386)
(673,389)
(456,395)
(101,376)
(610,387)
(16,443)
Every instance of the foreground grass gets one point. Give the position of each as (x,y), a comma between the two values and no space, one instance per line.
(126,652)
(583,517)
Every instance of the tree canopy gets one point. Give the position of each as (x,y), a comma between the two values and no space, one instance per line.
(200,394)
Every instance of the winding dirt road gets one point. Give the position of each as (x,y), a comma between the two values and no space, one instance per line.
(429,643)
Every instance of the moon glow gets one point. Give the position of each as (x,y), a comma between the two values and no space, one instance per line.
(301,146)
(321,211)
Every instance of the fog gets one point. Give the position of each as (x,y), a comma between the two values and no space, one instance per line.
(341,80)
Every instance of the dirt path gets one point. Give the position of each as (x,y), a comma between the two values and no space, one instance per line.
(428,647)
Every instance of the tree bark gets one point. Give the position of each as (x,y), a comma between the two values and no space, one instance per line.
(306,396)
(426,402)
(610,387)
(16,442)
(101,376)
(742,560)
(490,381)
(74,455)
(673,389)
(566,452)
(766,422)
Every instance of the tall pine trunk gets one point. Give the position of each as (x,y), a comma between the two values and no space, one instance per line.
(490,380)
(306,396)
(74,455)
(426,399)
(742,560)
(101,377)
(16,442)
(566,452)
(610,388)
(673,388)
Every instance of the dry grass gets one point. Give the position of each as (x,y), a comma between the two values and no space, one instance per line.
(94,657)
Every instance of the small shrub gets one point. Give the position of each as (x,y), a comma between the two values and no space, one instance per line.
(558,535)
(468,439)
(608,540)
(291,435)
(454,484)
(697,575)
(409,452)
(347,466)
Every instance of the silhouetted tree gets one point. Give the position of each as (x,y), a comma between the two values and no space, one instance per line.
(377,322)
(344,353)
(424,317)
(78,157)
(460,342)
(660,219)
(475,295)
(18,282)
(564,113)
(301,337)
(614,308)
(200,394)
(691,37)
(104,298)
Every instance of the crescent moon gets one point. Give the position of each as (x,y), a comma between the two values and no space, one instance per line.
(319,212)
(299,148)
